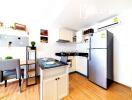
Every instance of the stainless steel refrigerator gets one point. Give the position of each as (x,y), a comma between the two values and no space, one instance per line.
(100,67)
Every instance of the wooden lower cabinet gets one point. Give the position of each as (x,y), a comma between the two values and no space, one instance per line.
(63,86)
(55,88)
(54,83)
(50,89)
(81,65)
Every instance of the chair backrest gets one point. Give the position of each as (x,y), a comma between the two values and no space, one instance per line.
(64,59)
(10,64)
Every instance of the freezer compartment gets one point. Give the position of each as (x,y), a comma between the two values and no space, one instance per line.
(99,40)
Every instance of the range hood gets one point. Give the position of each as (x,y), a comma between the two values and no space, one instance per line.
(62,41)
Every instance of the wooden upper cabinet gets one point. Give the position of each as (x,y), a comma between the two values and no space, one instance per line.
(65,34)
(79,36)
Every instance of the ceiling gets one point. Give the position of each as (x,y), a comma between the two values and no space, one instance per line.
(81,13)
(72,14)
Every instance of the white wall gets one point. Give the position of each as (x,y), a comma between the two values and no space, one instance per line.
(15,52)
(49,49)
(43,49)
(122,48)
(82,47)
(36,15)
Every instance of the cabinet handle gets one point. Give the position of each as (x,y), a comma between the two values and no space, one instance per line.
(57,78)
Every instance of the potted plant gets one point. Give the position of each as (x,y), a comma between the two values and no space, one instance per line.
(8,57)
(33,45)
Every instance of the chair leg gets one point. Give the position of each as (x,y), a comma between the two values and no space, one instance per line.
(20,84)
(5,83)
(23,75)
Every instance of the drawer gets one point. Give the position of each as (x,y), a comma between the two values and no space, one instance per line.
(52,72)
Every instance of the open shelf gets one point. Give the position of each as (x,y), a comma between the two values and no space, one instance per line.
(31,66)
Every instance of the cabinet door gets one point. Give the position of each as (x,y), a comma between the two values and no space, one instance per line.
(84,65)
(78,63)
(79,36)
(50,89)
(63,86)
(73,61)
(70,36)
(62,34)
(73,64)
(65,34)
(81,65)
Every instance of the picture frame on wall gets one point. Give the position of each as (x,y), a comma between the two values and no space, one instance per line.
(1,24)
(43,36)
(18,26)
(43,32)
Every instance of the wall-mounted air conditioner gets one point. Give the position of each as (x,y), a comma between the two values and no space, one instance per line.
(109,23)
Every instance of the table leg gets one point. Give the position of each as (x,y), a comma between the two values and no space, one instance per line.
(1,76)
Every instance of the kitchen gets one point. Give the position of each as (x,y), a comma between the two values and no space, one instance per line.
(78,50)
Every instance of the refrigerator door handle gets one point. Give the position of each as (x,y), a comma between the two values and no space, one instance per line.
(90,48)
(89,54)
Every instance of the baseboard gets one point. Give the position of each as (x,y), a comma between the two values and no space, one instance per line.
(123,85)
(78,73)
(81,74)
(72,72)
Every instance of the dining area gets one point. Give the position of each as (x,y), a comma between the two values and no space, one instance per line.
(16,70)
